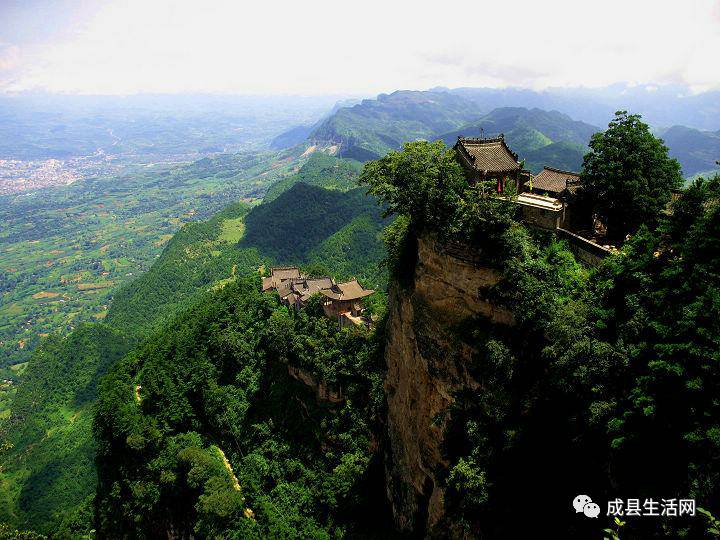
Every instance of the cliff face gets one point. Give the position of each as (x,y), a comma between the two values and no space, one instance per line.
(427,365)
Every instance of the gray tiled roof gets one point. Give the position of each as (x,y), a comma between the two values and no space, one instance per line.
(488,155)
(554,180)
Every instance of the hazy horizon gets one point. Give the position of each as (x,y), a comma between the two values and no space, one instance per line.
(678,90)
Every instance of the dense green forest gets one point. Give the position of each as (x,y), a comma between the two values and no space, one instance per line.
(297,224)
(602,386)
(202,257)
(214,385)
(66,251)
(47,479)
(321,170)
(338,232)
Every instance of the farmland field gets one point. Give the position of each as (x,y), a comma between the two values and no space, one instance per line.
(65,250)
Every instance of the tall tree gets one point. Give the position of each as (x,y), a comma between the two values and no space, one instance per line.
(629,175)
(423,181)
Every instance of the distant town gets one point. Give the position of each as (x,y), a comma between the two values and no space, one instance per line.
(17,176)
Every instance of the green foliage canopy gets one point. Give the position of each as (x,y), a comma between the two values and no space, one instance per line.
(628,175)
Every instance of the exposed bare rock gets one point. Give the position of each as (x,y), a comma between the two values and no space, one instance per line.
(324,392)
(427,364)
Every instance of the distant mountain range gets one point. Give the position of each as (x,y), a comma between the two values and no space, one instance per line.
(696,150)
(298,134)
(372,128)
(661,106)
(540,137)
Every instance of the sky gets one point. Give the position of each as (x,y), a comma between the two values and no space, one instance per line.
(363,47)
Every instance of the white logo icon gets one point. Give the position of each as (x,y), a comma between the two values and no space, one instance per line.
(580,501)
(584,504)
(591,510)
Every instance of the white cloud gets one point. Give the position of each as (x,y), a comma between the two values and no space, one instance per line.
(9,57)
(372,46)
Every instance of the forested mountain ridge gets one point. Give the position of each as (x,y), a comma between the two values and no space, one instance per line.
(697,151)
(321,170)
(553,125)
(301,226)
(510,364)
(541,137)
(298,134)
(577,384)
(211,425)
(664,105)
(311,213)
(218,379)
(372,128)
(375,126)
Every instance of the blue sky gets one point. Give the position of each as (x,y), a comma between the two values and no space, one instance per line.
(321,47)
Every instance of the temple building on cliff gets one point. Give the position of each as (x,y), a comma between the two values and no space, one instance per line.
(491,159)
(554,183)
(545,199)
(342,301)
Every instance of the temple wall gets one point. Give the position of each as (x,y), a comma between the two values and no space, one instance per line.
(586,251)
(541,217)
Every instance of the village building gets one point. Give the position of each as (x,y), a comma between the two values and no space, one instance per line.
(342,302)
(490,159)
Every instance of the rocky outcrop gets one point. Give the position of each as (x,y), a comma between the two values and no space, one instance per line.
(324,392)
(427,364)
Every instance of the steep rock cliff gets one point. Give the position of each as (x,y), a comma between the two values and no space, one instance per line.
(427,364)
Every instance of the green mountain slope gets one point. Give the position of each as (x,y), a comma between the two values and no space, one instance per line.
(289,227)
(518,122)
(564,155)
(291,137)
(320,170)
(295,228)
(354,251)
(222,442)
(696,150)
(198,256)
(374,127)
(47,446)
